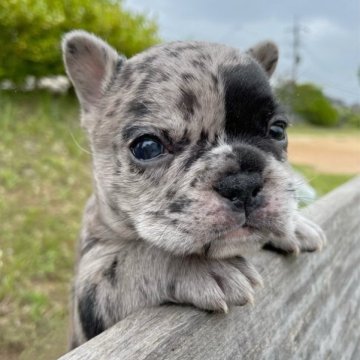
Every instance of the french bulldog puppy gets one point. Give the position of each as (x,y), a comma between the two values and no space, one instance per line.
(189,166)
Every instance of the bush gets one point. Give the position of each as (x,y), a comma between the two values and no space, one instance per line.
(309,102)
(350,117)
(30,32)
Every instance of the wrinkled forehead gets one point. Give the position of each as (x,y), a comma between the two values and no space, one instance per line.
(196,86)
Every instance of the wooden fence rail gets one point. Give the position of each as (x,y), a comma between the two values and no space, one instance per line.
(308,309)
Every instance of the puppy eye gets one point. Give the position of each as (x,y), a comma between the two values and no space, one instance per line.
(147,147)
(277,131)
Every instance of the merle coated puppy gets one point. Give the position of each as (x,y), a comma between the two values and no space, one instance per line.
(189,165)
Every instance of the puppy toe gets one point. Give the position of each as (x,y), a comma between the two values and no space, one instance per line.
(248,270)
(309,235)
(236,286)
(201,290)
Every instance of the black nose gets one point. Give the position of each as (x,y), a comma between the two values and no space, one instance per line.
(242,190)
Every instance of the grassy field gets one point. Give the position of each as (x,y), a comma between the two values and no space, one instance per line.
(44,182)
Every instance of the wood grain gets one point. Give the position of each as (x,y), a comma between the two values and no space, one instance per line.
(308,309)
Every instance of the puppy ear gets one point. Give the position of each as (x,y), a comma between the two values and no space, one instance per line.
(267,54)
(90,64)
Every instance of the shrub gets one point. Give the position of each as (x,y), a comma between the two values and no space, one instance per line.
(30,32)
(309,102)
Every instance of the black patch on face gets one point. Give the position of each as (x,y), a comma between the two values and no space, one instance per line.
(179,205)
(110,273)
(136,169)
(215,80)
(171,289)
(187,77)
(206,249)
(205,57)
(172,53)
(130,132)
(277,148)
(200,65)
(186,47)
(162,77)
(251,160)
(110,113)
(158,213)
(150,59)
(91,322)
(249,103)
(144,85)
(198,150)
(194,182)
(126,75)
(89,243)
(114,147)
(170,194)
(138,108)
(117,103)
(119,65)
(152,76)
(182,144)
(188,103)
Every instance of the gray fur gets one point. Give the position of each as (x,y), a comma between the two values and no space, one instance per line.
(158,232)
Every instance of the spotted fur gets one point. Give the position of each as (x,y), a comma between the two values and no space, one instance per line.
(175,229)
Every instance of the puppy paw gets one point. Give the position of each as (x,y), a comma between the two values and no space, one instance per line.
(216,284)
(309,236)
(306,237)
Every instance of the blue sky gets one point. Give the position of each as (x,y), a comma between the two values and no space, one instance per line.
(330,33)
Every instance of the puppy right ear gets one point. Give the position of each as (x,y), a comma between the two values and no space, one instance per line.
(267,54)
(90,64)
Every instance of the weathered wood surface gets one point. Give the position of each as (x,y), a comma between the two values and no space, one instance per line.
(308,309)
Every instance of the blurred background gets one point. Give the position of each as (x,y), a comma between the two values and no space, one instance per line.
(44,159)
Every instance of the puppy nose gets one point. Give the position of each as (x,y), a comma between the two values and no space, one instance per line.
(242,190)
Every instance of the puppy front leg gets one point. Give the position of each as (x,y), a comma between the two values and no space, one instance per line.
(112,284)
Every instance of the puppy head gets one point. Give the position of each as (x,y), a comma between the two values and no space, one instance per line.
(189,145)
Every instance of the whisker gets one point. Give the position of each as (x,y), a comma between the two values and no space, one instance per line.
(77,144)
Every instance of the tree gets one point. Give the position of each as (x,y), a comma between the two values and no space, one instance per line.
(31,30)
(309,102)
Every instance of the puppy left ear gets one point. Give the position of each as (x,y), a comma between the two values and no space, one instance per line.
(267,55)
(90,64)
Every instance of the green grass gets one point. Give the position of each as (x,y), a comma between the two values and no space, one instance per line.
(322,182)
(305,129)
(44,182)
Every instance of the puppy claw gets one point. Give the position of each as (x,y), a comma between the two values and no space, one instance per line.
(225,308)
(215,284)
(251,300)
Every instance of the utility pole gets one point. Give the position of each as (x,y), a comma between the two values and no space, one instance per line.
(296,58)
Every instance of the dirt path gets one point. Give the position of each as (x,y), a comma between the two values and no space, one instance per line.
(331,154)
